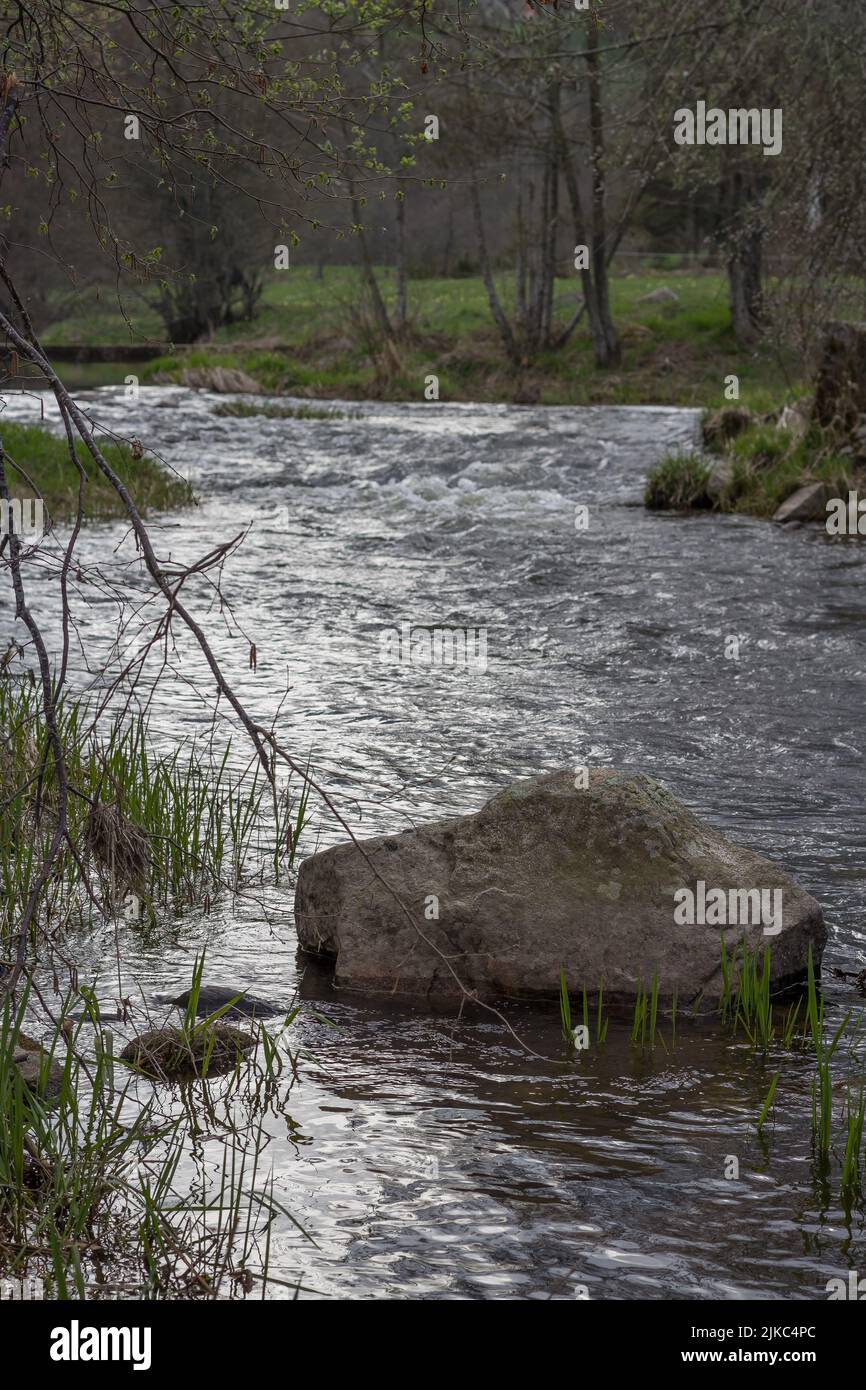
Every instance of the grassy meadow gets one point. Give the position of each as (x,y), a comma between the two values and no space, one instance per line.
(308,340)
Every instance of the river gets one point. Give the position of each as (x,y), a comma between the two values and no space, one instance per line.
(434,1158)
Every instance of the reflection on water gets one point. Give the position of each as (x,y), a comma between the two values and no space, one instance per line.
(429,1157)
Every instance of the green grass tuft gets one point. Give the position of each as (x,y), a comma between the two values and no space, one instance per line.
(678,482)
(45,459)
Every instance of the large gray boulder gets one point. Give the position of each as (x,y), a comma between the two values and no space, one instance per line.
(549,876)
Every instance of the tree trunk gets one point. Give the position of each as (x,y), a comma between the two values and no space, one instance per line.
(596,328)
(552,222)
(611,352)
(744,236)
(533,271)
(496,309)
(400,302)
(520,269)
(380,313)
(538,281)
(744,281)
(448,248)
(840,394)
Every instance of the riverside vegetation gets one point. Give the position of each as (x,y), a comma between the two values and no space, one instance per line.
(167,830)
(751,466)
(93,1199)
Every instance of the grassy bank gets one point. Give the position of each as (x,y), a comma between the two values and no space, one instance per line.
(753,472)
(44,459)
(307,341)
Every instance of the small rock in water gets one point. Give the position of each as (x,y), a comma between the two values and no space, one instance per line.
(213,997)
(28,1059)
(174,1053)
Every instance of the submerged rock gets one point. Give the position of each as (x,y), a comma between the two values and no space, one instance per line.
(213,997)
(100,1013)
(549,876)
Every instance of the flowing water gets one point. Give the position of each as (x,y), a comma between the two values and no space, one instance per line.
(434,1158)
